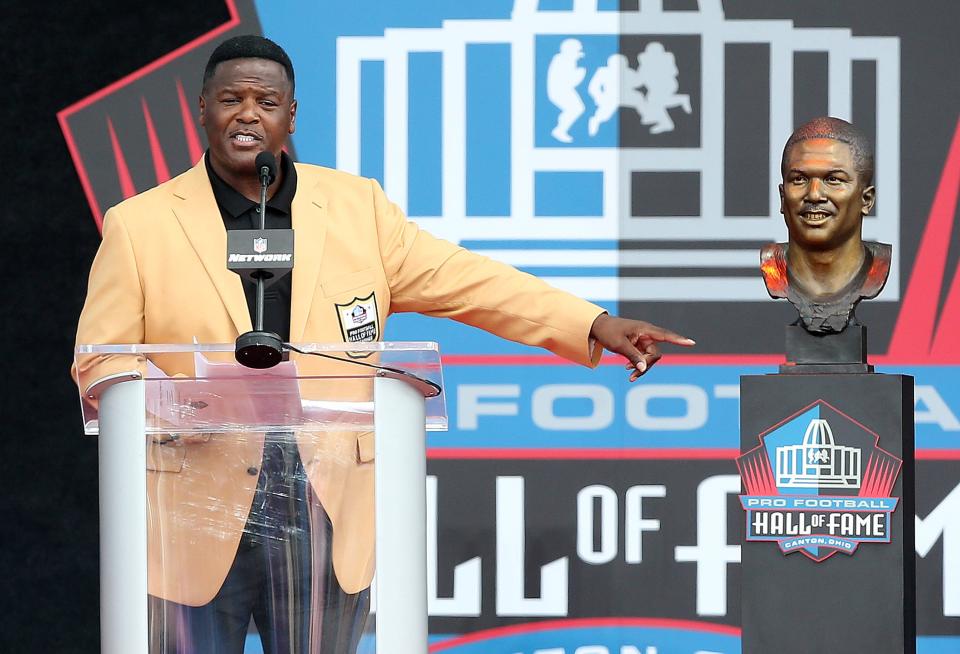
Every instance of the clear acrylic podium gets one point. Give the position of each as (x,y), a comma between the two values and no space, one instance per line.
(211,472)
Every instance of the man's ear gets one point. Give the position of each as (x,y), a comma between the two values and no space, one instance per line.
(780,188)
(203,115)
(868,197)
(293,117)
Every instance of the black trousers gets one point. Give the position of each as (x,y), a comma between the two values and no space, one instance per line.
(282,577)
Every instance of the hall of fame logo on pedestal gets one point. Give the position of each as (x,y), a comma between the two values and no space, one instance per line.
(817,483)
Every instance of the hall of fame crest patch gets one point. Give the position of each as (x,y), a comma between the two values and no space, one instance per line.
(359,319)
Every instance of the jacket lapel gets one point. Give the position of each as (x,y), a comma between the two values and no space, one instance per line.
(200,219)
(310,230)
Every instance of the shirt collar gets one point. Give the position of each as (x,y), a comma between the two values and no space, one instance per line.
(236,204)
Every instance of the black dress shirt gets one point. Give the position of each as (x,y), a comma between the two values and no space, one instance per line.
(278,505)
(238,212)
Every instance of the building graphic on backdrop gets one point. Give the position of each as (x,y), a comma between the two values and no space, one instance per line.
(602,104)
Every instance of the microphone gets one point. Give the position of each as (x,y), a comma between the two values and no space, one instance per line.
(266,165)
(263,256)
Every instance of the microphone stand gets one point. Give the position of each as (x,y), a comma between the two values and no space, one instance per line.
(259,348)
(264,183)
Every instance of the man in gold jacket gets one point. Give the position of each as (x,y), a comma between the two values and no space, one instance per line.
(160,277)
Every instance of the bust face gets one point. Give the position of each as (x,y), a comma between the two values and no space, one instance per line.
(822,198)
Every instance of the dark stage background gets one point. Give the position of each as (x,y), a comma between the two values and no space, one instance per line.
(58,53)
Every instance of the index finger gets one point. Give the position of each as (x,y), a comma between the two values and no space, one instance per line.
(667,336)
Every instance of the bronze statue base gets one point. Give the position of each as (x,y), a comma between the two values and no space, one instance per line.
(809,353)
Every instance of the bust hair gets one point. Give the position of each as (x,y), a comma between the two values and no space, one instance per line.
(835,129)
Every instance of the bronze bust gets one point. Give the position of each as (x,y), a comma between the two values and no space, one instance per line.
(826,269)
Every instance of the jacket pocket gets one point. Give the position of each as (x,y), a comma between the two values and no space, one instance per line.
(348,282)
(365,447)
(165,458)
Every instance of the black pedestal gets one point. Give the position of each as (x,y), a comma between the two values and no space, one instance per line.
(818,490)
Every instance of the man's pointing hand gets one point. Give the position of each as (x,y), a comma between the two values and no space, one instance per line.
(634,339)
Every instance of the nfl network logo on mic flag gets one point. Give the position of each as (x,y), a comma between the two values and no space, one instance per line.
(581,142)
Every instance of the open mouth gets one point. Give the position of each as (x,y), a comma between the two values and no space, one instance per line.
(242,138)
(815,217)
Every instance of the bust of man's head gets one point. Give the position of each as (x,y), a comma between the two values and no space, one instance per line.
(826,268)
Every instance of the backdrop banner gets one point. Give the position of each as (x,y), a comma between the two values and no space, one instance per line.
(628,152)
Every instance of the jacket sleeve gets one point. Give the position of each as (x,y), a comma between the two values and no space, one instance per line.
(113,310)
(437,278)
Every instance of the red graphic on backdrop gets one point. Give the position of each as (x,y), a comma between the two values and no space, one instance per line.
(101,194)
(919,336)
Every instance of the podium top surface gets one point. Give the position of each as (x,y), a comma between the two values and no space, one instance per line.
(424,348)
(200,388)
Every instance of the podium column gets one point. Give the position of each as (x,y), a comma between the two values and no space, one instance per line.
(123,520)
(401,515)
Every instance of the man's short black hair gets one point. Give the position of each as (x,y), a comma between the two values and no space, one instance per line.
(835,129)
(248,46)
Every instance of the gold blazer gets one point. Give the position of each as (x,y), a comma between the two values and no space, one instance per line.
(160,277)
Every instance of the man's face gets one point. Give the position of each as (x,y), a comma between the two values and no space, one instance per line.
(822,198)
(247,108)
